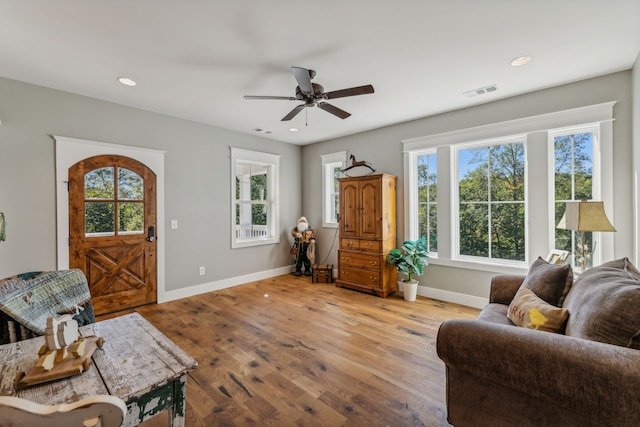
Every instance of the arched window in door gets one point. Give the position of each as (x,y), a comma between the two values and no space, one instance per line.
(114,202)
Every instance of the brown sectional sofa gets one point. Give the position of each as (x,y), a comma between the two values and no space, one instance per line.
(588,374)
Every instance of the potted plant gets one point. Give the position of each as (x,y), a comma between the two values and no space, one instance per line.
(410,261)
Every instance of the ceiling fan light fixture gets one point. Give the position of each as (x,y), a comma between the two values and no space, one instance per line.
(520,60)
(127,81)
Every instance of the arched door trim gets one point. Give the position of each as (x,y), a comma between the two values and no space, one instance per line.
(70,151)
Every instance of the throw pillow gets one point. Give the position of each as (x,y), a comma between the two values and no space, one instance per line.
(605,304)
(549,281)
(530,311)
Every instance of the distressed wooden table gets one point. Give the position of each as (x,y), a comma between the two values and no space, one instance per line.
(137,363)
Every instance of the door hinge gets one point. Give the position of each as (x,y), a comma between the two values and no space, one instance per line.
(69,241)
(67,182)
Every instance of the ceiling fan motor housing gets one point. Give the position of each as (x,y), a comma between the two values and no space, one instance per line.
(318,92)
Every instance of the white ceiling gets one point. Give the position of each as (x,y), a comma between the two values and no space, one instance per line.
(196,59)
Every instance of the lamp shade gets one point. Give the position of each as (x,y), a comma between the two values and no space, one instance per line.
(585,216)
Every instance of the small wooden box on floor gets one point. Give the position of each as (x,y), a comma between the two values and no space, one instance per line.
(322,273)
(367,234)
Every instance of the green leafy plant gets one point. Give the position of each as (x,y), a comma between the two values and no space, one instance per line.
(411,258)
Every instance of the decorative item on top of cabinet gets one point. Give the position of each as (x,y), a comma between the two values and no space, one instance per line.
(367,234)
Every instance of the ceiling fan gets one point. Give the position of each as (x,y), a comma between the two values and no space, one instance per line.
(313,94)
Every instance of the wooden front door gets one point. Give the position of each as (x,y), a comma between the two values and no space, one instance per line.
(112,221)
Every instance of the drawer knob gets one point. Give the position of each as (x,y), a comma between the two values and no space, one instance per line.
(344,258)
(345,273)
(373,278)
(373,262)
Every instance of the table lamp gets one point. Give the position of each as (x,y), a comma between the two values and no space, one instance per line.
(584,216)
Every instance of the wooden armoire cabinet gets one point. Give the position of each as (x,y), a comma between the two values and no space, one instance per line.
(367,233)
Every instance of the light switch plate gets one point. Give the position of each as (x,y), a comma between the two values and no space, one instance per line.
(174,224)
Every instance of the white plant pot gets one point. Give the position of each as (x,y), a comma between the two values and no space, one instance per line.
(410,290)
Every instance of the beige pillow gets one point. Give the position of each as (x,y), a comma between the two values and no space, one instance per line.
(530,311)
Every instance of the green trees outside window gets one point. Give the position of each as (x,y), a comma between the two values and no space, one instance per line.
(427,200)
(492,201)
(113,206)
(573,180)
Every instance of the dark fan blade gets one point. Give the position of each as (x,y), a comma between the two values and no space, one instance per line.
(353,91)
(303,78)
(285,98)
(293,113)
(333,110)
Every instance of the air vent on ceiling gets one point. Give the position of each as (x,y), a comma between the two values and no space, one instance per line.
(480,91)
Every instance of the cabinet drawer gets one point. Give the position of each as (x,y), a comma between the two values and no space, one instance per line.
(359,260)
(370,245)
(359,244)
(349,244)
(366,277)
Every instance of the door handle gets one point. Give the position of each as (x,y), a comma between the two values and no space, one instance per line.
(151,234)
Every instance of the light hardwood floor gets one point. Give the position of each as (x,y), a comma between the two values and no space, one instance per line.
(286,352)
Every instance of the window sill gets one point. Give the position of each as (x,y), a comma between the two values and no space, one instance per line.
(330,225)
(493,267)
(253,242)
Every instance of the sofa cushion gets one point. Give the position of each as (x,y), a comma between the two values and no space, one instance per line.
(605,304)
(495,313)
(549,281)
(530,311)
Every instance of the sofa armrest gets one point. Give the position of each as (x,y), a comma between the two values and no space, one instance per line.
(585,377)
(504,288)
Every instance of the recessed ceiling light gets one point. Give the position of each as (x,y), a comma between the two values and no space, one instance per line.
(261,130)
(293,129)
(126,81)
(520,60)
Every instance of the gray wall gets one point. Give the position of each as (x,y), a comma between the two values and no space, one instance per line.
(197,175)
(383,148)
(197,182)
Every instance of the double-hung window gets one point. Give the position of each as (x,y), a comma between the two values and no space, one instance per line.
(491,200)
(426,166)
(575,178)
(254,198)
(331,172)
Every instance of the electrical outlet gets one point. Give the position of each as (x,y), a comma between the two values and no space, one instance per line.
(202,271)
(174,224)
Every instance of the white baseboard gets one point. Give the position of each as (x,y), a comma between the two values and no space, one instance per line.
(221,284)
(433,293)
(454,297)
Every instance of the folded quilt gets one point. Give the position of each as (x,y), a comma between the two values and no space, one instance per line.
(30,298)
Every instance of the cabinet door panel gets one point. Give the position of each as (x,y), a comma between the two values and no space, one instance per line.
(370,212)
(349,223)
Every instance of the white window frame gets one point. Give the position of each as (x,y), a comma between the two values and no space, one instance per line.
(456,200)
(411,179)
(329,163)
(538,175)
(272,163)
